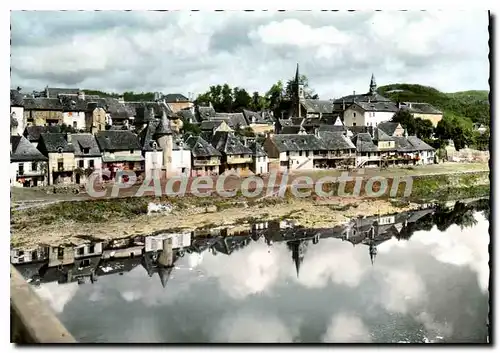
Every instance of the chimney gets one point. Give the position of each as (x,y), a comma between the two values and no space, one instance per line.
(353,93)
(68,137)
(399,105)
(343,104)
(409,104)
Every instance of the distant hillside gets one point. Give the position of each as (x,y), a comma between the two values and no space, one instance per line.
(470,104)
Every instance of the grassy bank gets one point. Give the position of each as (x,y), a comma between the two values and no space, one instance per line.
(111,218)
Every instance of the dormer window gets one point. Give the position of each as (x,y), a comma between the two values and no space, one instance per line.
(86,150)
(154,145)
(59,150)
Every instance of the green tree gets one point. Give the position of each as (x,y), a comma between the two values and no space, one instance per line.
(227,99)
(406,119)
(242,99)
(191,129)
(423,128)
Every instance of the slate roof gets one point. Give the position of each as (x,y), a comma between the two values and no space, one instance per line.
(334,141)
(117,140)
(146,136)
(362,98)
(253,117)
(380,135)
(23,150)
(43,104)
(32,133)
(363,142)
(233,119)
(403,145)
(388,127)
(377,106)
(186,115)
(205,113)
(85,140)
(257,150)
(146,111)
(51,142)
(55,92)
(210,125)
(73,104)
(422,108)
(16,98)
(291,130)
(317,106)
(201,148)
(332,128)
(288,142)
(419,144)
(229,144)
(175,97)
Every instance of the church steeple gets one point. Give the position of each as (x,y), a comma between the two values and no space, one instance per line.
(297,75)
(373,253)
(373,85)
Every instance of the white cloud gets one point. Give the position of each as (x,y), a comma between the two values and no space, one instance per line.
(346,328)
(253,328)
(57,295)
(187,52)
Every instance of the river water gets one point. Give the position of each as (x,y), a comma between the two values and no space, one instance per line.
(413,277)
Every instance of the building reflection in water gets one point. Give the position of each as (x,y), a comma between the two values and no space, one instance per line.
(158,252)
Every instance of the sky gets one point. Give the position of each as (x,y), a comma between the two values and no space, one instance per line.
(186,52)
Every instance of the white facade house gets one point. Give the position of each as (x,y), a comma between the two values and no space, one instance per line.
(87,156)
(292,160)
(181,159)
(155,242)
(18,256)
(369,114)
(86,250)
(17,113)
(153,161)
(260,159)
(75,119)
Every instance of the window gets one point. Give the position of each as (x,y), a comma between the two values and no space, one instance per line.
(60,253)
(353,124)
(34,166)
(354,114)
(131,151)
(60,165)
(80,163)
(20,253)
(300,153)
(131,165)
(34,255)
(91,163)
(74,124)
(80,251)
(85,263)
(59,150)
(287,153)
(21,168)
(86,150)
(92,249)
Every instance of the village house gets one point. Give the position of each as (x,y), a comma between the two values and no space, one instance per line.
(235,155)
(206,160)
(61,154)
(23,256)
(234,120)
(177,102)
(87,157)
(33,133)
(43,111)
(257,123)
(95,117)
(260,163)
(367,153)
(61,256)
(369,113)
(210,127)
(87,250)
(120,150)
(74,109)
(291,152)
(181,157)
(338,150)
(155,242)
(17,112)
(423,111)
(28,166)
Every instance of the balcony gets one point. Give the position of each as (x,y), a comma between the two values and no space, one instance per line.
(238,160)
(206,162)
